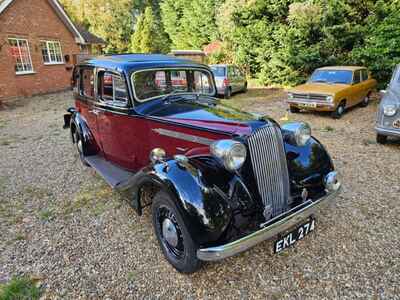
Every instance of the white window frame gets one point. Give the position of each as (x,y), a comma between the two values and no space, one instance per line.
(31,71)
(52,62)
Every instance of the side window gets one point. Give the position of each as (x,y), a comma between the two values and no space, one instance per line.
(112,89)
(357,77)
(87,82)
(364,74)
(202,83)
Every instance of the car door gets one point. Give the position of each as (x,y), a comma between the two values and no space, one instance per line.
(122,134)
(231,78)
(357,88)
(86,100)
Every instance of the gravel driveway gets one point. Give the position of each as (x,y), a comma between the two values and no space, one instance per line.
(60,224)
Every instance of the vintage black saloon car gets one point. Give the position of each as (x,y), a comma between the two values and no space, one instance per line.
(222,180)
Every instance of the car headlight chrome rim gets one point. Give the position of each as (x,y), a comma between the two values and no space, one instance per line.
(290,96)
(329,98)
(301,132)
(389,110)
(232,153)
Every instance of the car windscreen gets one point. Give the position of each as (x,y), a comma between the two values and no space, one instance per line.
(218,71)
(149,84)
(332,76)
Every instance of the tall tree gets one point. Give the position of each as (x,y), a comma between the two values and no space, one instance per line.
(190,24)
(113,21)
(148,36)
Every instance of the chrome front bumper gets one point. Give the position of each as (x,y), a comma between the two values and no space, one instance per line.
(387,131)
(267,232)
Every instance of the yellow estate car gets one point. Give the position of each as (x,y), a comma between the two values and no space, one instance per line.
(333,89)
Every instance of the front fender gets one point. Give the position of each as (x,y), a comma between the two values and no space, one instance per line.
(205,209)
(308,165)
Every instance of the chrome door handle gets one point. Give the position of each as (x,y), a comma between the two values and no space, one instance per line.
(94,111)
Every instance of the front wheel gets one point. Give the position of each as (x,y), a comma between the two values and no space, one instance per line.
(294,109)
(381,139)
(339,111)
(365,101)
(172,234)
(228,93)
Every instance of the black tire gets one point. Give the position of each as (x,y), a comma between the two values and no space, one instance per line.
(365,101)
(182,253)
(294,109)
(80,147)
(228,93)
(381,139)
(339,111)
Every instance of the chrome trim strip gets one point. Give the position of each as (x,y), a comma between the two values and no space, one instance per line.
(245,243)
(184,136)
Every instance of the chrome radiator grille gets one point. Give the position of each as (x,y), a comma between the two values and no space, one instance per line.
(310,97)
(269,164)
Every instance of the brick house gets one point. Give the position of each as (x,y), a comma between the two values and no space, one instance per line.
(38,47)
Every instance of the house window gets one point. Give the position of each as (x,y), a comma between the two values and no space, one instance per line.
(51,52)
(22,56)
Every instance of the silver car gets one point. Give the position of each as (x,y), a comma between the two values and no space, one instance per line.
(229,79)
(388,118)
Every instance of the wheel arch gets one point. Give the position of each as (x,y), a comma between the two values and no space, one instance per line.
(204,208)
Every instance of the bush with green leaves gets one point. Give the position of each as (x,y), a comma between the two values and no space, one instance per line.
(19,288)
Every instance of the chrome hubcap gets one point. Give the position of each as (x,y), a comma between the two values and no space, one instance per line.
(340,110)
(170,233)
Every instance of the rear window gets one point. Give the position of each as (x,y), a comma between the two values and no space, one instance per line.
(87,82)
(218,71)
(155,83)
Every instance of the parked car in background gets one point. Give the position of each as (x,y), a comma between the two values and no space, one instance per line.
(229,79)
(220,180)
(333,89)
(388,117)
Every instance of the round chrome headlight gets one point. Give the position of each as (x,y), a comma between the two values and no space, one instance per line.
(232,153)
(329,98)
(389,110)
(301,132)
(290,96)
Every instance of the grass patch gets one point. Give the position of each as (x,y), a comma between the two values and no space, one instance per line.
(328,129)
(37,193)
(131,276)
(20,288)
(20,237)
(369,142)
(96,199)
(46,215)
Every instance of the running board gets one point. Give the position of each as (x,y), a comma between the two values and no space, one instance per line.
(116,177)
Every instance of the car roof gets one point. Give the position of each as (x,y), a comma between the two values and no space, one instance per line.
(344,68)
(133,62)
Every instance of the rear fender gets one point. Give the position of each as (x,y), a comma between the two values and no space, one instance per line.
(79,124)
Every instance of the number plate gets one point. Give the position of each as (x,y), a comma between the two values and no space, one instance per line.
(308,105)
(292,237)
(396,124)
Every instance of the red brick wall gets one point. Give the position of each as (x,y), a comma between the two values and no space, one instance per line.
(33,20)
